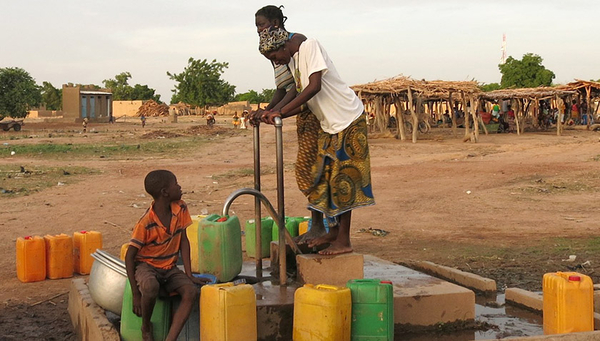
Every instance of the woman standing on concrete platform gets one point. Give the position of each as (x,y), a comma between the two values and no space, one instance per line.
(342,176)
(307,125)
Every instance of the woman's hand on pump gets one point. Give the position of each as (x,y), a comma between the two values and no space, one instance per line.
(255,117)
(269,116)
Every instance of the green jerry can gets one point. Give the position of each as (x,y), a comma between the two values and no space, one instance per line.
(131,324)
(291,225)
(300,219)
(372,310)
(220,247)
(266,234)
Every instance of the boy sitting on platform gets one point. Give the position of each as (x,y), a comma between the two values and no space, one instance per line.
(151,258)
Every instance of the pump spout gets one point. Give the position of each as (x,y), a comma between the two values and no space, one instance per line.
(279,219)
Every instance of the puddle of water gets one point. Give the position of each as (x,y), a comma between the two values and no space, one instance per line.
(510,321)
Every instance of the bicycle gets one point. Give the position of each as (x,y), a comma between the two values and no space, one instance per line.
(423,127)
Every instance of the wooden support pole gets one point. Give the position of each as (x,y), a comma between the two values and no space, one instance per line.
(518,114)
(474,108)
(400,118)
(588,103)
(467,116)
(560,105)
(415,118)
(452,114)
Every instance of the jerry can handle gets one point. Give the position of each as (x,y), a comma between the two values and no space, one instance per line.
(326,287)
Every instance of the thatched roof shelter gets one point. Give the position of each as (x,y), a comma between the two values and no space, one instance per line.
(409,95)
(538,93)
(591,86)
(589,90)
(526,103)
(391,100)
(430,90)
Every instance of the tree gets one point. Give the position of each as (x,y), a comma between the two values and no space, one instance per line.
(51,96)
(200,84)
(525,73)
(18,92)
(143,92)
(122,91)
(254,97)
(490,87)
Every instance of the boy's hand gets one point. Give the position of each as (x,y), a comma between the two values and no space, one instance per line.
(137,304)
(200,281)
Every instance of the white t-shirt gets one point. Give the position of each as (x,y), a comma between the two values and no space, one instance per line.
(335,105)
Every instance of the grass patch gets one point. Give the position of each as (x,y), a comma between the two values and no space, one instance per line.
(559,247)
(16,181)
(559,187)
(541,186)
(238,173)
(104,150)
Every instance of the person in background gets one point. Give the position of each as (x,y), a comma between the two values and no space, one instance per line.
(496,111)
(84,124)
(236,120)
(575,112)
(210,120)
(512,125)
(307,125)
(244,120)
(342,178)
(143,120)
(158,238)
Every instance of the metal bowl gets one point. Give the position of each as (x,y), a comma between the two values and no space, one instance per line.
(107,281)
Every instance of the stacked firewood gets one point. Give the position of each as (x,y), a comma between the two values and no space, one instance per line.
(151,108)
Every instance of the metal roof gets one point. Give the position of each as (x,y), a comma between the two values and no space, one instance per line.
(95,93)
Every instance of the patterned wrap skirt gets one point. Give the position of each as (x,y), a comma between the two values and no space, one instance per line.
(333,170)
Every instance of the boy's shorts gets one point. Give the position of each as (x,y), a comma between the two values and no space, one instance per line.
(169,279)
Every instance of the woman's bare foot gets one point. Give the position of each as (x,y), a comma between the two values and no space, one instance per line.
(325,239)
(336,248)
(309,236)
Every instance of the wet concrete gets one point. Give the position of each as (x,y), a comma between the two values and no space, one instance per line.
(511,321)
(274,304)
(493,319)
(419,299)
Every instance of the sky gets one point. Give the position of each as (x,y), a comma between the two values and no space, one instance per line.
(86,42)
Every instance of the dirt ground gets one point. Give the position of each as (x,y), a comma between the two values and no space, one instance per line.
(509,207)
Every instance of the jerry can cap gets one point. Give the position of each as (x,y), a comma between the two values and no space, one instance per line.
(386,282)
(27,237)
(575,278)
(222,219)
(83,231)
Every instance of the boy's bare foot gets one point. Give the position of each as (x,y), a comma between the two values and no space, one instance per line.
(147,334)
(336,248)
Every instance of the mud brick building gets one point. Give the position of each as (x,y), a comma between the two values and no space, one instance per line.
(80,102)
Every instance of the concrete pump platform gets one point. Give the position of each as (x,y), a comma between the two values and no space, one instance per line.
(419,300)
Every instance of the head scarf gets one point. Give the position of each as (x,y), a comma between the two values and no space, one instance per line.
(272,39)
